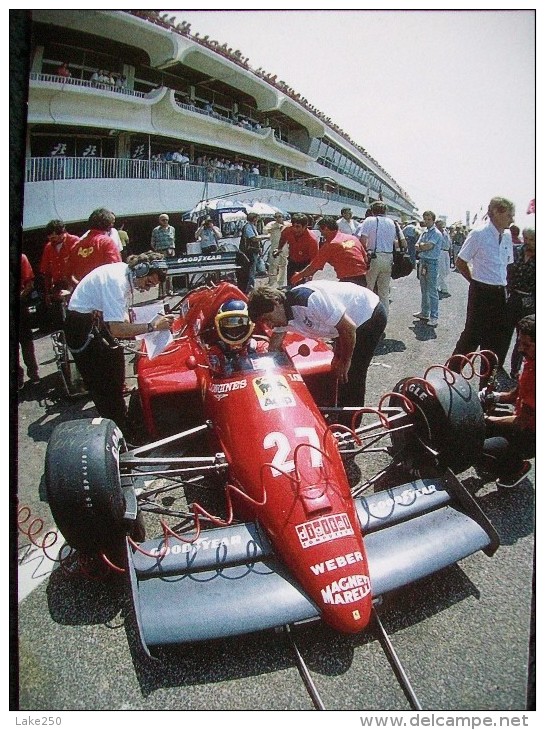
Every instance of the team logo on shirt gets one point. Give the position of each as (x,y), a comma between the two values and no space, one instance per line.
(85,252)
(348,243)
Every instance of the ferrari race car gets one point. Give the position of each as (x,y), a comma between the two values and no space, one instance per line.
(244,483)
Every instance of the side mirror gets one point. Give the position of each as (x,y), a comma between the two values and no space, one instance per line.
(304,350)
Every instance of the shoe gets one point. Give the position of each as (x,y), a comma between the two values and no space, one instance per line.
(514,481)
(433,322)
(419,315)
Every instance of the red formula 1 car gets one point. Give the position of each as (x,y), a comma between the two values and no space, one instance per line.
(287,538)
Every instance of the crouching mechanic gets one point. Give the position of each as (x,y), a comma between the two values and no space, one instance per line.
(98,314)
(511,439)
(351,315)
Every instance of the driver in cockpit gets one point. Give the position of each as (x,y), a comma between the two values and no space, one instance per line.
(233,328)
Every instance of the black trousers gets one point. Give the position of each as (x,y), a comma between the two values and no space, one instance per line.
(101,364)
(368,335)
(505,449)
(27,344)
(294,267)
(517,308)
(359,280)
(485,327)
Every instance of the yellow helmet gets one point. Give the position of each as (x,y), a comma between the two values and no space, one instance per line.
(233,325)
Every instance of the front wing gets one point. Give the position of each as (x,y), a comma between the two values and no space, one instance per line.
(229,582)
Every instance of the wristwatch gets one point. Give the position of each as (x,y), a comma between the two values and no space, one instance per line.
(151,328)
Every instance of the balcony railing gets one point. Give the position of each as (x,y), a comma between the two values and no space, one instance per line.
(44,169)
(220,117)
(82,83)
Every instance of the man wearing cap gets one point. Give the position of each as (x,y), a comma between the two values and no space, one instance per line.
(98,314)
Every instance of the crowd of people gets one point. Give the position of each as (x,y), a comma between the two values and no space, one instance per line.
(84,275)
(501,280)
(101,78)
(237,57)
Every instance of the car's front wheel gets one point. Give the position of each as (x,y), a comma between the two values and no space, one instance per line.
(83,485)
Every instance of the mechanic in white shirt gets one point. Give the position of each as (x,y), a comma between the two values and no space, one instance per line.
(349,314)
(488,249)
(98,313)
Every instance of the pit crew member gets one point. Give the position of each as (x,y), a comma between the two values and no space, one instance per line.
(351,315)
(98,314)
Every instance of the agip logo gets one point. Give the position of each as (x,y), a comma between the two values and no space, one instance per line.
(273,392)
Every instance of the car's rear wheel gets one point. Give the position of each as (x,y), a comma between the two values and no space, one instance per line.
(448,422)
(83,485)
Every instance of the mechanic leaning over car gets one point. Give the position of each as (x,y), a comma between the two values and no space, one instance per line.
(98,314)
(349,314)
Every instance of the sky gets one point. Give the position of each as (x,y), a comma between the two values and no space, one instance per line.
(443,100)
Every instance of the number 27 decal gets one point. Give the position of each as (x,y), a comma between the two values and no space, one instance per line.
(281,460)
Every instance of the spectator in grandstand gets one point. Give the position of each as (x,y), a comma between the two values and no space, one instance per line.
(63,70)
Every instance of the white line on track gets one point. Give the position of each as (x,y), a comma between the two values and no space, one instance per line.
(35,565)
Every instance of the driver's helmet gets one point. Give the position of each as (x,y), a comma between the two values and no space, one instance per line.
(232,322)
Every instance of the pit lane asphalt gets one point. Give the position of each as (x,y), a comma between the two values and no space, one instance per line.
(462,635)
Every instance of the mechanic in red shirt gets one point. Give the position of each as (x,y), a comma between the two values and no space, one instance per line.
(302,246)
(511,439)
(344,252)
(95,247)
(54,267)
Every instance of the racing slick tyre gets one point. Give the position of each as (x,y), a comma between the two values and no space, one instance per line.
(448,421)
(83,485)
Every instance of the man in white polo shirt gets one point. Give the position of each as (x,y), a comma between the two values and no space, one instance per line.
(488,249)
(379,236)
(347,313)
